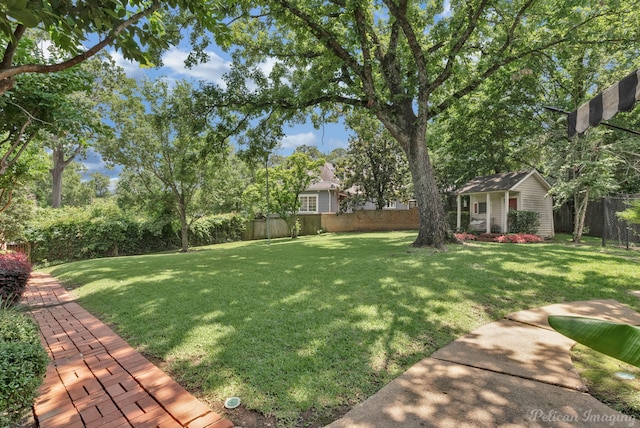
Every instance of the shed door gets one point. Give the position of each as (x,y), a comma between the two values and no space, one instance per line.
(513,204)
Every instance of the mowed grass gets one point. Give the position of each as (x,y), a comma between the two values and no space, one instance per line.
(322,322)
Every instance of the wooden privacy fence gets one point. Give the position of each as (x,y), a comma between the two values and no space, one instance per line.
(358,221)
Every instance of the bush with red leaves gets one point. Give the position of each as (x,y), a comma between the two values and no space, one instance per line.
(464,236)
(14,274)
(519,238)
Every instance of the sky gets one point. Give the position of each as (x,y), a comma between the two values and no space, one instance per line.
(327,138)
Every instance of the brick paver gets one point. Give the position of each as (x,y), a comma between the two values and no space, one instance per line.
(95,379)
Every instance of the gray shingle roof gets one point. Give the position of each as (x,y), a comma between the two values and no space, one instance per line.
(328,179)
(494,183)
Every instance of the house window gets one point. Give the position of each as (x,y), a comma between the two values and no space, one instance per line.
(308,203)
(391,205)
(480,208)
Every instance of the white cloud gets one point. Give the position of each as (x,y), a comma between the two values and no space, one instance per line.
(295,140)
(131,68)
(211,71)
(267,66)
(446,12)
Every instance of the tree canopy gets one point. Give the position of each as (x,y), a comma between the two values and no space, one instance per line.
(139,29)
(405,62)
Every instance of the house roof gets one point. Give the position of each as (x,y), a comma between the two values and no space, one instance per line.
(328,179)
(501,182)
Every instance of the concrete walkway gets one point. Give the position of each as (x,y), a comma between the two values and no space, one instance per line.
(511,373)
(95,379)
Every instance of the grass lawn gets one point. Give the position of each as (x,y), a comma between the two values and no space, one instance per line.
(322,322)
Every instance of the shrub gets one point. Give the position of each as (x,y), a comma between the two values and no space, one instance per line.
(105,230)
(15,327)
(23,363)
(14,274)
(523,222)
(452,219)
(464,236)
(518,238)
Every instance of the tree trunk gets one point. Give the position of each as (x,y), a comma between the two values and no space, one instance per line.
(433,227)
(293,226)
(59,165)
(410,131)
(580,207)
(184,228)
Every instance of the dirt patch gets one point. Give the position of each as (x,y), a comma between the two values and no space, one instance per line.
(243,417)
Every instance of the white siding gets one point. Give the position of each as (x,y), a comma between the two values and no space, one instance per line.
(533,198)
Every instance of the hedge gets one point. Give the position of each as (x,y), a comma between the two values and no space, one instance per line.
(452,219)
(23,363)
(521,221)
(104,230)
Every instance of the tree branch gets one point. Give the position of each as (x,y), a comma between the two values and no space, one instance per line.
(7,72)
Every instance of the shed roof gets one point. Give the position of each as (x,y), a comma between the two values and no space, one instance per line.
(500,182)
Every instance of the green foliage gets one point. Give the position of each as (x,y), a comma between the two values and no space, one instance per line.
(16,327)
(15,217)
(520,221)
(14,274)
(217,229)
(407,63)
(452,219)
(621,341)
(139,29)
(173,151)
(104,230)
(286,182)
(375,165)
(23,363)
(631,214)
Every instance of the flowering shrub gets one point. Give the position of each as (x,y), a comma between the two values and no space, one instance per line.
(464,236)
(519,238)
(14,273)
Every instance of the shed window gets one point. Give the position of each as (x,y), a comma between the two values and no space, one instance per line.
(480,208)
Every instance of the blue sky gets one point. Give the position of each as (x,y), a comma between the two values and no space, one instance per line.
(331,136)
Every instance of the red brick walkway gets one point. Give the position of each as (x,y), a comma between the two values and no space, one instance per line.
(95,379)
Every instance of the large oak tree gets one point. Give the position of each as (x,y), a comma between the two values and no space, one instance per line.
(404,61)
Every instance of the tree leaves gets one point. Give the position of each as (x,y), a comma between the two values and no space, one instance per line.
(621,341)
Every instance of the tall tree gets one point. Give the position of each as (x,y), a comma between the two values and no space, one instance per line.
(376,165)
(163,135)
(586,167)
(405,62)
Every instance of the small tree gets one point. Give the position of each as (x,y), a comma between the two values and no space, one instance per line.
(286,182)
(168,140)
(631,214)
(375,163)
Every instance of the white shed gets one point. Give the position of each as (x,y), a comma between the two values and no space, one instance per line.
(491,197)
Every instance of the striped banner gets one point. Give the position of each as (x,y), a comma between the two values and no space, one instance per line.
(620,97)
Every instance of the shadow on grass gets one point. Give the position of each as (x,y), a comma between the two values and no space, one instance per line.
(324,322)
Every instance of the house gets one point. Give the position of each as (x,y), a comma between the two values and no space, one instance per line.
(322,196)
(491,197)
(325,195)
